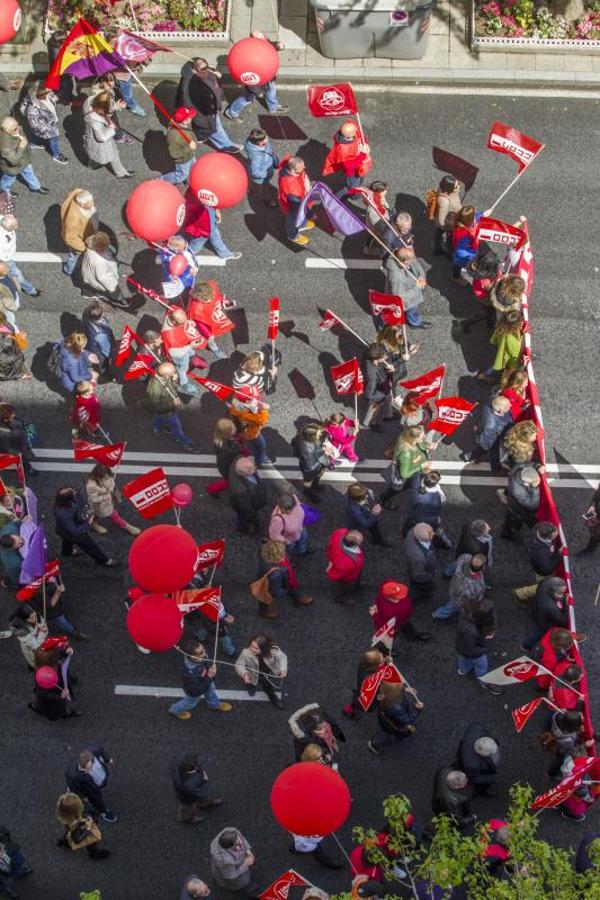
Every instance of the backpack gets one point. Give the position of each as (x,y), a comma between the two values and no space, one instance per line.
(53,361)
(431,203)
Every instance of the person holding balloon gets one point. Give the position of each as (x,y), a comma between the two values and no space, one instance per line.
(201,225)
(53,696)
(198,677)
(179,265)
(246,56)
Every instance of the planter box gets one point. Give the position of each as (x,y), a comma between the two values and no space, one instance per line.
(202,37)
(487,42)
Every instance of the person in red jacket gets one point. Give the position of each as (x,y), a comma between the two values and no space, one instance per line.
(554,652)
(350,154)
(568,692)
(181,340)
(393,602)
(293,186)
(345,563)
(85,414)
(205,308)
(496,849)
(201,224)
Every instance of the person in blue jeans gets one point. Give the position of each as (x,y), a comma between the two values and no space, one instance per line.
(268,90)
(162,401)
(8,251)
(206,628)
(214,238)
(15,159)
(476,625)
(181,145)
(198,679)
(124,83)
(263,163)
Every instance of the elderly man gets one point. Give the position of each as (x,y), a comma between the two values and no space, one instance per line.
(420,561)
(522,496)
(8,250)
(199,89)
(405,277)
(247,494)
(452,796)
(548,608)
(162,401)
(15,159)
(194,889)
(350,155)
(181,339)
(79,220)
(232,861)
(478,756)
(467,586)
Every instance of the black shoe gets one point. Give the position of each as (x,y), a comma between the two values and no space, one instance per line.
(277,703)
(374,749)
(420,636)
(63,160)
(41,190)
(425,325)
(35,293)
(377,428)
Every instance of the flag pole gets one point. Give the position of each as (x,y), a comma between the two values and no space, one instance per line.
(347,327)
(513,182)
(147,292)
(22,469)
(396,260)
(356,408)
(133,16)
(213,570)
(159,105)
(44,598)
(214,662)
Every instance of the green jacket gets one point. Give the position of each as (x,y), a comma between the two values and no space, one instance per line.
(179,149)
(409,462)
(508,352)
(13,159)
(158,399)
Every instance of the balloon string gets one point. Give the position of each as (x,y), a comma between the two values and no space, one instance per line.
(350,863)
(221,662)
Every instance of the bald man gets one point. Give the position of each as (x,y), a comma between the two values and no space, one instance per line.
(247,494)
(349,154)
(15,159)
(162,401)
(8,250)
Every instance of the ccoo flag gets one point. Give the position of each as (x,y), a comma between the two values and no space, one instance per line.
(520,147)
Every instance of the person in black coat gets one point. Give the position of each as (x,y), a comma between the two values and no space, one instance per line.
(476,626)
(522,497)
(548,608)
(309,445)
(281,578)
(452,796)
(18,866)
(378,372)
(397,712)
(545,553)
(369,663)
(420,561)
(13,437)
(57,702)
(87,776)
(312,725)
(475,537)
(247,494)
(495,417)
(199,89)
(72,524)
(190,783)
(425,500)
(363,512)
(198,673)
(478,757)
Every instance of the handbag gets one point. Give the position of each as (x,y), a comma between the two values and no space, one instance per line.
(20,339)
(393,477)
(83,833)
(312,516)
(260,588)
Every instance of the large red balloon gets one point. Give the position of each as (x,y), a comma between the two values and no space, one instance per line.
(310,798)
(163,558)
(155,210)
(10,20)
(155,622)
(218,179)
(253,61)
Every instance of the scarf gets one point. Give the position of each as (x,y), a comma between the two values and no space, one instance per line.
(329,738)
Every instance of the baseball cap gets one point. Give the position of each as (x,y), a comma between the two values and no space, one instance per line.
(394,590)
(183,112)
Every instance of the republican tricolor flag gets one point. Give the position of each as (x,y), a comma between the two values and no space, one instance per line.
(451,413)
(273,329)
(520,147)
(348,378)
(85,53)
(389,307)
(425,386)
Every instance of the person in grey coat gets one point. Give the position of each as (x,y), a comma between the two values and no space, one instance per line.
(99,138)
(522,498)
(405,277)
(231,862)
(467,585)
(420,561)
(494,419)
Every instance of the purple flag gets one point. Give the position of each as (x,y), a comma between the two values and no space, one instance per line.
(36,557)
(341,217)
(32,504)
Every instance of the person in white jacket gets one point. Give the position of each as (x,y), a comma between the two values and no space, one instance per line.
(99,271)
(8,251)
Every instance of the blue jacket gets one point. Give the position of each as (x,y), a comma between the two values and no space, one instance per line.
(263,161)
(358,516)
(194,676)
(99,334)
(422,507)
(74,369)
(65,520)
(463,245)
(491,426)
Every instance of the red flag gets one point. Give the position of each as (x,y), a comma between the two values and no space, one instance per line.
(518,146)
(139,368)
(563,790)
(7,460)
(348,378)
(149,494)
(124,351)
(370,685)
(452,412)
(207,600)
(331,100)
(426,386)
(210,554)
(107,454)
(522,714)
(279,889)
(329,320)
(385,634)
(515,672)
(3,490)
(222,391)
(494,231)
(389,306)
(30,590)
(273,329)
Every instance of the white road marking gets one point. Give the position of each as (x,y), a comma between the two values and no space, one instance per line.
(142,690)
(318,262)
(30,256)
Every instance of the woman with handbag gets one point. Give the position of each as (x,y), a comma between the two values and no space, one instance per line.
(81,832)
(410,459)
(102,495)
(309,445)
(16,436)
(263,664)
(72,522)
(12,358)
(276,580)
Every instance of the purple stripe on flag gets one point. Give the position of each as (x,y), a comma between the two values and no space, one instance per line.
(341,217)
(93,66)
(36,557)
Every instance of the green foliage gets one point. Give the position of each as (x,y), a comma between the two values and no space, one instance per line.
(90,895)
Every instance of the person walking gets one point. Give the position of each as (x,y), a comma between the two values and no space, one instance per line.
(310,446)
(345,561)
(181,340)
(363,511)
(452,795)
(447,206)
(191,786)
(15,159)
(99,138)
(405,277)
(523,499)
(369,663)
(232,862)
(79,220)
(80,829)
(420,561)
(293,186)
(199,89)
(11,558)
(465,243)
(287,525)
(478,756)
(264,162)
(227,449)
(467,586)
(548,608)
(350,154)
(72,523)
(162,401)
(475,537)
(378,371)
(182,152)
(393,602)
(75,361)
(251,414)
(194,889)
(312,725)
(201,225)
(206,309)
(397,712)
(124,83)
(247,494)
(14,863)
(280,580)
(268,90)
(102,494)
(56,702)
(262,664)
(39,109)
(99,334)
(494,419)
(545,553)
(592,520)
(198,676)
(425,502)
(476,625)
(342,433)
(31,630)
(99,270)
(87,776)
(8,252)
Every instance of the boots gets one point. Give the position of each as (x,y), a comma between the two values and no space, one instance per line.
(267,611)
(131,529)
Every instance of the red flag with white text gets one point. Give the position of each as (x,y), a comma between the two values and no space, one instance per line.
(149,494)
(370,686)
(328,321)
(279,889)
(139,368)
(565,788)
(425,386)
(331,100)
(273,329)
(210,554)
(124,350)
(222,391)
(30,590)
(390,307)
(347,377)
(207,600)
(520,147)
(515,672)
(8,460)
(107,454)
(499,233)
(451,413)
(522,714)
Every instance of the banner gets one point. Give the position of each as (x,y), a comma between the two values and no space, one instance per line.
(134,48)
(340,216)
(279,889)
(207,600)
(520,147)
(452,412)
(515,672)
(149,494)
(385,634)
(210,554)
(273,329)
(139,368)
(347,377)
(522,714)
(84,53)
(499,233)
(389,307)
(425,386)
(124,350)
(35,558)
(108,454)
(331,100)
(563,790)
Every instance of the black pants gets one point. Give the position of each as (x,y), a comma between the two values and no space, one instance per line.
(87,544)
(457,271)
(375,531)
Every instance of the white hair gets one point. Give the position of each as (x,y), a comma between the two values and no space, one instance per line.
(82,197)
(485,746)
(9,222)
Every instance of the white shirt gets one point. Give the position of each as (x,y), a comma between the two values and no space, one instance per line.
(8,244)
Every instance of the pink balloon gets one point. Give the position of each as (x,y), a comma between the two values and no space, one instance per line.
(46,677)
(178,264)
(182,494)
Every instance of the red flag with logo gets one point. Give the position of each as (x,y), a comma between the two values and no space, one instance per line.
(522,714)
(207,600)
(149,494)
(348,378)
(389,306)
(273,329)
(385,634)
(515,672)
(107,454)
(139,368)
(222,391)
(499,233)
(279,889)
(451,413)
(328,321)
(210,554)
(124,351)
(563,790)
(331,100)
(520,147)
(30,590)
(370,686)
(425,386)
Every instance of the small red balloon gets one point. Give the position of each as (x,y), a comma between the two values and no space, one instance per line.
(46,677)
(219,180)
(310,798)
(178,264)
(253,61)
(10,20)
(155,622)
(163,558)
(155,210)
(182,494)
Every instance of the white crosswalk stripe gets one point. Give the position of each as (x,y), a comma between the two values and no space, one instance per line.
(142,690)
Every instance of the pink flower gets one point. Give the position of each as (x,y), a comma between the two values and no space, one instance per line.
(518,31)
(492,8)
(507,21)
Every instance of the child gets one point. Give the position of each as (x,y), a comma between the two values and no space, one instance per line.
(342,434)
(85,414)
(263,163)
(378,215)
(205,307)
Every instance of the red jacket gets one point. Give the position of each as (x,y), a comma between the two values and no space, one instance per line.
(552,660)
(387,609)
(493,850)
(348,156)
(210,312)
(343,566)
(179,335)
(291,185)
(565,697)
(197,219)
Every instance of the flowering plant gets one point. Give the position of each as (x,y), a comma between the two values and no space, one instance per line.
(531,18)
(139,15)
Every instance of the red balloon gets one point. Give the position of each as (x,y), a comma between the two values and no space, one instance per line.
(178,264)
(155,622)
(163,558)
(253,61)
(46,677)
(310,798)
(218,179)
(182,494)
(155,210)
(10,20)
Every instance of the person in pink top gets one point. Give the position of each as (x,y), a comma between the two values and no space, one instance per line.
(342,434)
(287,525)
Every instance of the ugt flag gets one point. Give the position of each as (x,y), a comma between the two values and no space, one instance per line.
(499,233)
(210,554)
(563,790)
(124,351)
(149,494)
(273,329)
(328,321)
(30,590)
(280,888)
(425,386)
(347,377)
(520,147)
(331,100)
(389,307)
(108,454)
(139,368)
(207,600)
(341,217)
(385,634)
(134,48)
(515,672)
(370,685)
(85,53)
(451,413)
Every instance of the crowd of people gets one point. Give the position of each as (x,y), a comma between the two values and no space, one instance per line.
(407,513)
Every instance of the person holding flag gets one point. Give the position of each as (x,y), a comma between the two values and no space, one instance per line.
(393,602)
(370,662)
(293,186)
(349,154)
(162,401)
(181,340)
(102,494)
(378,374)
(205,309)
(405,277)
(251,415)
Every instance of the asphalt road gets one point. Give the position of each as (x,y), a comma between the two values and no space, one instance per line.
(245,750)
